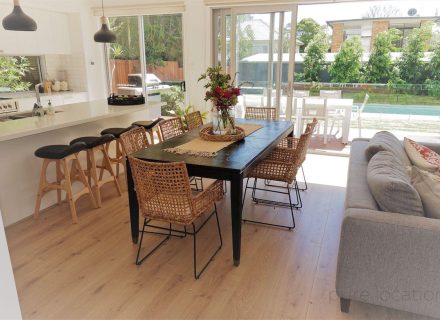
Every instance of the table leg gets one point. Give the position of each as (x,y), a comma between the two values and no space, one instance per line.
(236,207)
(133,205)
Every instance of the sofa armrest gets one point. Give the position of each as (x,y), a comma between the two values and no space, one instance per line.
(390,259)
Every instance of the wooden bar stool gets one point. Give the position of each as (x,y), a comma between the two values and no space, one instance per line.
(62,155)
(149,127)
(119,158)
(94,145)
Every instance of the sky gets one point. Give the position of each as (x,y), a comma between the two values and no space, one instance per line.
(340,11)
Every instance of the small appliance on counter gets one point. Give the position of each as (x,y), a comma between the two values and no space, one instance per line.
(125,100)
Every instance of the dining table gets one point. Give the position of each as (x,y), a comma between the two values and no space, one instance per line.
(231,163)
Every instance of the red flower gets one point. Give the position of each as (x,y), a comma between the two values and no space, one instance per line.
(227,94)
(236,91)
(219,91)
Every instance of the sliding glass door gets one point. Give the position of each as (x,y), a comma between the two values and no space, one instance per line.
(257,46)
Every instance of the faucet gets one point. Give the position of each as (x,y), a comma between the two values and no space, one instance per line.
(37,93)
(38,108)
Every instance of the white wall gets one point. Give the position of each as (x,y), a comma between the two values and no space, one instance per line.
(9,305)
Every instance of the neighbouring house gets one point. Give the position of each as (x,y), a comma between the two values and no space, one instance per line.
(368,28)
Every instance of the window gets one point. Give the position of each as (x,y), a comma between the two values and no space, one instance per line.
(19,73)
(162,61)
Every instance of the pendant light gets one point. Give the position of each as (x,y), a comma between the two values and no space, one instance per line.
(17,20)
(104,35)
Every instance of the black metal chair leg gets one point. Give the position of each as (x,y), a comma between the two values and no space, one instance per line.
(270,202)
(305,181)
(138,262)
(197,275)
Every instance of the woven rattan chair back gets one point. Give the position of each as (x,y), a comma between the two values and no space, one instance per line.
(163,191)
(171,128)
(256,113)
(134,140)
(310,128)
(194,120)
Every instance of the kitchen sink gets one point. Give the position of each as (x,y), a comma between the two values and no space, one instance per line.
(22,115)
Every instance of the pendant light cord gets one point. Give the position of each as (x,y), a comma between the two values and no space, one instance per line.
(102,6)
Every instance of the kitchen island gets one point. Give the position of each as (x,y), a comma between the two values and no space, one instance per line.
(20,169)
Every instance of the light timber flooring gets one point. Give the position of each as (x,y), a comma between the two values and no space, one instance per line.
(87,270)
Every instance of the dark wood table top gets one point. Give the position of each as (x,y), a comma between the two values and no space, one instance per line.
(237,158)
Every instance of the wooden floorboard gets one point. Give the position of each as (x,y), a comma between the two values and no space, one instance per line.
(87,270)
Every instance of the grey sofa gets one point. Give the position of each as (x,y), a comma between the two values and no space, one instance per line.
(387,259)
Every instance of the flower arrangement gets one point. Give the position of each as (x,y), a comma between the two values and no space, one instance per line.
(223,94)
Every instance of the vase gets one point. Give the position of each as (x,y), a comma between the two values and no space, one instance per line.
(223,122)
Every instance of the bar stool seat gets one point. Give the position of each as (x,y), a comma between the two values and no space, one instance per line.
(98,144)
(92,142)
(149,126)
(115,131)
(62,155)
(59,151)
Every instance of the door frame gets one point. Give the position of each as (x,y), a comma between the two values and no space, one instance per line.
(233,12)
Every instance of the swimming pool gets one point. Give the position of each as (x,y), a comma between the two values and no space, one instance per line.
(403,109)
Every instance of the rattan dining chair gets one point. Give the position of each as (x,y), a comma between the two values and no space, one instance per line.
(263,113)
(134,140)
(281,165)
(171,128)
(164,194)
(194,120)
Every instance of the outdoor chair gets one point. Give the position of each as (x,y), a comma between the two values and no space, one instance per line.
(164,194)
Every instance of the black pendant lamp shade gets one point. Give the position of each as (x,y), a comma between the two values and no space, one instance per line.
(17,20)
(104,35)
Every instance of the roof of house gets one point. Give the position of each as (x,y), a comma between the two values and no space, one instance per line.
(391,19)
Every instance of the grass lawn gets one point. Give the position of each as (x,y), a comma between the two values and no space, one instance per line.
(392,98)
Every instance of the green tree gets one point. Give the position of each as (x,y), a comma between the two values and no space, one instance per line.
(347,65)
(306,30)
(314,61)
(434,63)
(411,66)
(127,35)
(380,67)
(12,71)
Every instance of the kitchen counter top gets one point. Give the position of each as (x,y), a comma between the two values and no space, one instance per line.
(71,115)
(31,94)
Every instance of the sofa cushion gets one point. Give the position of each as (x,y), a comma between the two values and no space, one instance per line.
(428,187)
(358,194)
(386,141)
(422,156)
(391,185)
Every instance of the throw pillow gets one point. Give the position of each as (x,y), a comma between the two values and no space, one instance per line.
(386,141)
(422,156)
(428,187)
(391,186)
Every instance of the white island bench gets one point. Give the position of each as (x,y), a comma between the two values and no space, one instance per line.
(19,139)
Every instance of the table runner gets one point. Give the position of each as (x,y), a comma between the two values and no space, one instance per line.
(204,148)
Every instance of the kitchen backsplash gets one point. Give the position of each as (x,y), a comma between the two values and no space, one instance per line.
(67,67)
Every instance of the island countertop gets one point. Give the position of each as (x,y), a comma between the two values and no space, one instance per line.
(66,116)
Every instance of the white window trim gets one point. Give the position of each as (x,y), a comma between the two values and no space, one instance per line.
(142,10)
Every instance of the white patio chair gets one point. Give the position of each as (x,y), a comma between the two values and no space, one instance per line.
(359,111)
(315,108)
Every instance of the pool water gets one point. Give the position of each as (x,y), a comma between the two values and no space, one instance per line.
(403,109)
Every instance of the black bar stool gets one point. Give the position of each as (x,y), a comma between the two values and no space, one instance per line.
(93,145)
(149,127)
(62,155)
(119,158)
